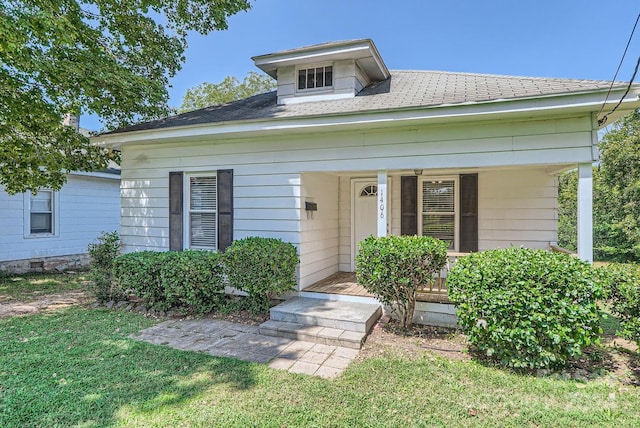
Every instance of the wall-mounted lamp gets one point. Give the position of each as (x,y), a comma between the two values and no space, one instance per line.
(310,208)
(417,171)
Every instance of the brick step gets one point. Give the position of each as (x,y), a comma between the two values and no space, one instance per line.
(336,314)
(313,333)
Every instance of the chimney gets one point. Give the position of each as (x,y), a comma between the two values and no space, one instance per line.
(71,120)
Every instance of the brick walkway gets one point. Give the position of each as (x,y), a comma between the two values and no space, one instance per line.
(227,339)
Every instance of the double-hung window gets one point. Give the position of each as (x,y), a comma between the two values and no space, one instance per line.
(439,216)
(315,77)
(41,213)
(202,206)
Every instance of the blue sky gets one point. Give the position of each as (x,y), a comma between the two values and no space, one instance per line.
(560,38)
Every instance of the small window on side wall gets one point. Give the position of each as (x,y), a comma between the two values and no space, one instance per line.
(315,77)
(202,226)
(40,213)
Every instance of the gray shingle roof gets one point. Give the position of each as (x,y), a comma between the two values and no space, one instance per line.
(403,90)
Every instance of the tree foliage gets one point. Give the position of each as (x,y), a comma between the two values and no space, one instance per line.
(616,196)
(109,58)
(230,89)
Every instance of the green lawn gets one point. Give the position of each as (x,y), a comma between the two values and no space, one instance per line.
(31,286)
(77,367)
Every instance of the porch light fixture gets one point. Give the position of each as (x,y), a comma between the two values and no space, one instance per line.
(417,171)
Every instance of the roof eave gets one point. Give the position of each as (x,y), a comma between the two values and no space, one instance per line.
(587,102)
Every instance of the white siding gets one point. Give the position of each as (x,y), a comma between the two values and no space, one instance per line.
(517,208)
(86,207)
(319,230)
(269,200)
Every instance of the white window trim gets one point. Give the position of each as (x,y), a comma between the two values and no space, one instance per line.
(55,212)
(315,90)
(456,226)
(186,209)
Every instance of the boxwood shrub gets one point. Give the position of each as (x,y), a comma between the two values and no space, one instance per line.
(526,308)
(191,280)
(103,253)
(392,268)
(262,267)
(622,287)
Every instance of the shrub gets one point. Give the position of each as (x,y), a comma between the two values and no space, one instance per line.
(526,308)
(262,267)
(393,268)
(139,273)
(621,282)
(103,252)
(192,280)
(188,280)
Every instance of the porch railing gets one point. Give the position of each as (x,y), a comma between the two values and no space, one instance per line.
(436,289)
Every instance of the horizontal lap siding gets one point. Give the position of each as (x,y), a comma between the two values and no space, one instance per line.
(319,236)
(517,208)
(87,206)
(268,198)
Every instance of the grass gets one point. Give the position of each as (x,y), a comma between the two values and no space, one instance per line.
(77,367)
(31,286)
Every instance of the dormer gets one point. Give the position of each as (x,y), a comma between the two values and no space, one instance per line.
(324,72)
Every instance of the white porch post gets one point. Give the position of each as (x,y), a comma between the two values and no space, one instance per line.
(585,212)
(382,211)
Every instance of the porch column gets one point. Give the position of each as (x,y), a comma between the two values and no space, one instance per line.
(585,212)
(382,203)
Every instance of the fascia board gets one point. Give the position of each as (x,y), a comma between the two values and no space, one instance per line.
(497,109)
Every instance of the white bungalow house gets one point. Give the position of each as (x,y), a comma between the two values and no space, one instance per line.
(346,148)
(51,230)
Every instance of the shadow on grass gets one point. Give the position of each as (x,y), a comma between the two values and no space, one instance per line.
(78,367)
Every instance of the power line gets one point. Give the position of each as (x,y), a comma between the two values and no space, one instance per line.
(604,119)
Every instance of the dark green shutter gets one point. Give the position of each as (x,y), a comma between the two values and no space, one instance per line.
(175,211)
(468,213)
(225,208)
(409,205)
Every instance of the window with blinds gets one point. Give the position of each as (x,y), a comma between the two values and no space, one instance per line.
(439,210)
(41,212)
(203,204)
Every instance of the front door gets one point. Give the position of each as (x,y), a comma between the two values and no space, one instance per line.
(365,192)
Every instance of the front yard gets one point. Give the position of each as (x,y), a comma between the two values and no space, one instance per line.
(77,367)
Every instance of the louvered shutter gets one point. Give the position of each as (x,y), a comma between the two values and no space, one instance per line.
(409,205)
(225,208)
(468,212)
(175,211)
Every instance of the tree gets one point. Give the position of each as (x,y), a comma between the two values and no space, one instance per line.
(620,175)
(230,89)
(107,57)
(616,196)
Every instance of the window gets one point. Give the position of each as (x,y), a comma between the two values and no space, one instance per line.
(317,77)
(369,190)
(202,215)
(41,213)
(439,209)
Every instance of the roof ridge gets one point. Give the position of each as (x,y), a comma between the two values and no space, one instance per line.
(507,76)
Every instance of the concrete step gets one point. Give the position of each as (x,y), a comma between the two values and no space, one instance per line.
(313,333)
(341,315)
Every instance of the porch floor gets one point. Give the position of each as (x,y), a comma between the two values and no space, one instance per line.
(344,283)
(339,283)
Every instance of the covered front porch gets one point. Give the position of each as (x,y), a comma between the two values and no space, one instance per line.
(474,209)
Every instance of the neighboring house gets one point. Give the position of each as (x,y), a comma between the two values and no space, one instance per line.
(346,148)
(51,230)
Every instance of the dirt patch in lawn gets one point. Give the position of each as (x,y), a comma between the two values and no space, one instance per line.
(46,303)
(419,341)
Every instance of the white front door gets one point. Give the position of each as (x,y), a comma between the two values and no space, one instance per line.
(365,222)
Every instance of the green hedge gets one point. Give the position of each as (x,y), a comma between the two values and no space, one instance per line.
(190,281)
(262,267)
(526,308)
(622,288)
(103,253)
(393,268)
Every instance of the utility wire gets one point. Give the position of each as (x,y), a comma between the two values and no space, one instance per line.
(604,119)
